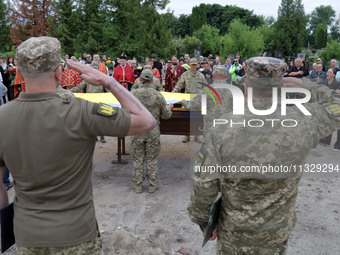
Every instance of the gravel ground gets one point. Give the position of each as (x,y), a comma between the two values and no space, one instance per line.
(145,224)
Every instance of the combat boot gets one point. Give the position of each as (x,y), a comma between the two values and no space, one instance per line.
(102,139)
(197,139)
(152,189)
(138,188)
(186,139)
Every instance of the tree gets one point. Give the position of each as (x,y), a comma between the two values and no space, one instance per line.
(241,38)
(268,36)
(210,39)
(198,17)
(232,12)
(5,42)
(181,25)
(321,15)
(332,50)
(189,43)
(66,26)
(335,33)
(214,15)
(321,36)
(29,18)
(290,27)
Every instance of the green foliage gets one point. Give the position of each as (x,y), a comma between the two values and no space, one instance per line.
(5,42)
(198,17)
(232,12)
(181,25)
(268,36)
(321,36)
(332,50)
(210,39)
(189,43)
(241,38)
(335,33)
(321,15)
(290,27)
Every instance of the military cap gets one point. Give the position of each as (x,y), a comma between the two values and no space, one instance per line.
(219,70)
(147,75)
(193,61)
(147,67)
(266,71)
(38,55)
(95,64)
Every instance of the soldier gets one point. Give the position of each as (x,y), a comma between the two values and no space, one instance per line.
(90,89)
(146,147)
(155,83)
(258,214)
(191,80)
(55,141)
(65,94)
(213,110)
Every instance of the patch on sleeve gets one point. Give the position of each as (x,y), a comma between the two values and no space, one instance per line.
(105,110)
(333,110)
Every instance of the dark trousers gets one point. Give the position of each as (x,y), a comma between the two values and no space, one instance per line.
(6,180)
(327,140)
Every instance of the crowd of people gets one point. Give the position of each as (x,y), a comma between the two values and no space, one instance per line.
(51,201)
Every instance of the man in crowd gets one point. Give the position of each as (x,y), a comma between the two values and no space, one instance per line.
(333,65)
(297,71)
(158,65)
(186,59)
(155,83)
(234,72)
(172,75)
(102,66)
(213,110)
(70,78)
(319,76)
(258,212)
(207,72)
(319,61)
(88,59)
(54,209)
(123,73)
(155,71)
(146,147)
(191,80)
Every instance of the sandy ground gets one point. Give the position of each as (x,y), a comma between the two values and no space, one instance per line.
(148,224)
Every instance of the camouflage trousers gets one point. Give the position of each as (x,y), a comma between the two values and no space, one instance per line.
(93,247)
(228,250)
(145,150)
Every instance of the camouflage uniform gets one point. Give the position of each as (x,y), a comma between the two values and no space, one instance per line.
(89,87)
(190,81)
(156,84)
(146,147)
(93,247)
(214,110)
(258,214)
(65,94)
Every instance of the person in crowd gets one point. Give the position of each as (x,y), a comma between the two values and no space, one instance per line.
(123,73)
(319,61)
(54,208)
(155,71)
(190,81)
(234,72)
(173,73)
(207,72)
(333,65)
(297,71)
(333,84)
(319,76)
(257,213)
(155,83)
(88,59)
(186,59)
(146,147)
(70,78)
(227,66)
(313,69)
(158,65)
(102,66)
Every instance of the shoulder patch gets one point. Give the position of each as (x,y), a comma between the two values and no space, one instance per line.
(333,110)
(105,110)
